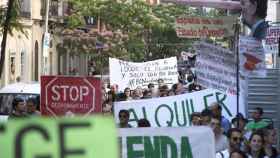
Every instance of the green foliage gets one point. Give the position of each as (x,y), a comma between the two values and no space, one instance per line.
(140,31)
(15,18)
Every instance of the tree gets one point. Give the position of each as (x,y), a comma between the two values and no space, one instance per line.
(9,20)
(137,31)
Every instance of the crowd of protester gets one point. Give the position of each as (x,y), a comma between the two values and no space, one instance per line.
(186,84)
(238,138)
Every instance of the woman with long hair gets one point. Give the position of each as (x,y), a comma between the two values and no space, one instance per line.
(256,145)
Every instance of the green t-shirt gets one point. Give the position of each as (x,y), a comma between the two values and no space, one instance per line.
(252,125)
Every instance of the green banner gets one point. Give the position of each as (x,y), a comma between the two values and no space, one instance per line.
(59,138)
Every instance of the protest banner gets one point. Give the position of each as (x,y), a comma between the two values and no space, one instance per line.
(222,4)
(59,138)
(192,142)
(175,111)
(272,39)
(69,96)
(129,74)
(252,57)
(197,27)
(215,67)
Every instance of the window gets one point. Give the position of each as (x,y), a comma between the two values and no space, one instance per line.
(12,68)
(22,65)
(43,8)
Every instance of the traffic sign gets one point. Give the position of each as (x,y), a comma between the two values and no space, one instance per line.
(68,96)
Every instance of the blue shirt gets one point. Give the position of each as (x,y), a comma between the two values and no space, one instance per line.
(225,124)
(259,29)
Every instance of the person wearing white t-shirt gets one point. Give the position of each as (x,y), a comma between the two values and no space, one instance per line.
(221,142)
(235,139)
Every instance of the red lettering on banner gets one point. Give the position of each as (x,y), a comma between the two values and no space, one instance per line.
(185,20)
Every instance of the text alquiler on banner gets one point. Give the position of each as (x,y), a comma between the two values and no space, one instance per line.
(175,111)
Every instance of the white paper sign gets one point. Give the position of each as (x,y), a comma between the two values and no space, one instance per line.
(272,39)
(192,142)
(129,74)
(216,67)
(252,57)
(175,111)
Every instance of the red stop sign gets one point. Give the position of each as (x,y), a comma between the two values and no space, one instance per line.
(70,95)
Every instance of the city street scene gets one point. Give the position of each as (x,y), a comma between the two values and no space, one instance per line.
(139,79)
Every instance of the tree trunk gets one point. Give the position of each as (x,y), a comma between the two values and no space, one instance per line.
(5,34)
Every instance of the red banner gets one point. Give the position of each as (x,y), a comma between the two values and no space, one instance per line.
(69,96)
(222,4)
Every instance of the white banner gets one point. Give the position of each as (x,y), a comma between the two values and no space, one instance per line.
(272,39)
(252,57)
(129,74)
(193,142)
(175,111)
(196,27)
(215,67)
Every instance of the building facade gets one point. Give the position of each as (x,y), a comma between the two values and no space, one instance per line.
(24,50)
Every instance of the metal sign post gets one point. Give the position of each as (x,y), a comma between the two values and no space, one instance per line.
(236,44)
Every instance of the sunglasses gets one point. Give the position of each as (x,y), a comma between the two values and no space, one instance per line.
(237,138)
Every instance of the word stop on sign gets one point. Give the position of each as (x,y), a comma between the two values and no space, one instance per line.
(65,92)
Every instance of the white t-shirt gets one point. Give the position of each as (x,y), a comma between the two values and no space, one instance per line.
(221,143)
(223,154)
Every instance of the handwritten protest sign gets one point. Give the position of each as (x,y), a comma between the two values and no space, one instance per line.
(272,39)
(129,74)
(175,111)
(196,27)
(252,57)
(192,142)
(58,138)
(215,67)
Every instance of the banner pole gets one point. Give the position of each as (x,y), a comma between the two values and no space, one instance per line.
(236,44)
